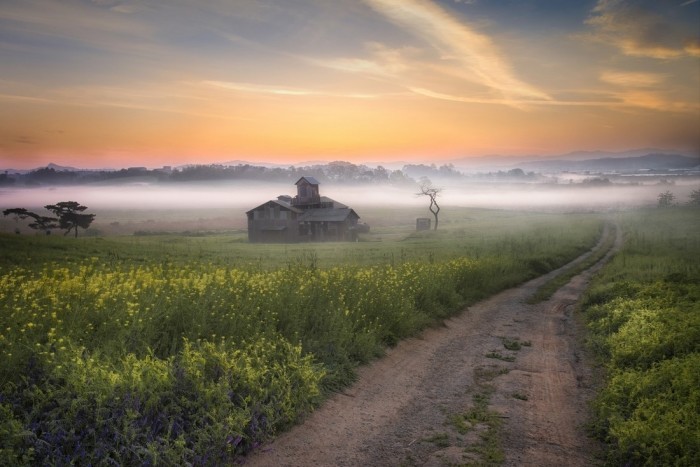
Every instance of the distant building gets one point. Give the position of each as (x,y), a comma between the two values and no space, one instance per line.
(423,223)
(307,217)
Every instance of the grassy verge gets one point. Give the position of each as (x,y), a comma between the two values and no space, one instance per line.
(546,291)
(643,315)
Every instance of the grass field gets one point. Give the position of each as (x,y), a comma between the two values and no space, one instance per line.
(154,349)
(643,314)
(464,232)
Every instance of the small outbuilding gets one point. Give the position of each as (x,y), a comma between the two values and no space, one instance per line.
(422,223)
(306,217)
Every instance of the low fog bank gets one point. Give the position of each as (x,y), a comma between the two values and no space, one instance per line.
(248,195)
(125,209)
(562,197)
(145,196)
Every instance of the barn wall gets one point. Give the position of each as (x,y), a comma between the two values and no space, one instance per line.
(271,223)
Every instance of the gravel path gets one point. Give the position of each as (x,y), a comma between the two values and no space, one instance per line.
(439,399)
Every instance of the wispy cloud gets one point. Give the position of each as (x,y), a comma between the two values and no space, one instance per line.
(25,140)
(260,88)
(461,45)
(692,47)
(161,98)
(640,32)
(283,90)
(656,101)
(456,98)
(18,97)
(91,26)
(384,61)
(608,101)
(619,99)
(632,79)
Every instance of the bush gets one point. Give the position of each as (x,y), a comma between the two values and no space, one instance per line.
(652,414)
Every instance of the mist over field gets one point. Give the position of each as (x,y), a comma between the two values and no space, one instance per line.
(247,195)
(222,205)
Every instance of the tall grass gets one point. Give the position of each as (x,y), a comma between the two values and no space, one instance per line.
(133,356)
(643,313)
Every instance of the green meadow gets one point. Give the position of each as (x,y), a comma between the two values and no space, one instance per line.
(168,346)
(153,349)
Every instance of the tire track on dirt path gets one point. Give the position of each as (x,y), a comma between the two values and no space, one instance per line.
(401,409)
(553,373)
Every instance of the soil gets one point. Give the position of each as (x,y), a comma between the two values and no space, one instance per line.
(412,406)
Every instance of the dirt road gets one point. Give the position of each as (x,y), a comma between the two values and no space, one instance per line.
(504,382)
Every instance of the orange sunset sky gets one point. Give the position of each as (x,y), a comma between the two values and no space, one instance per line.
(112,83)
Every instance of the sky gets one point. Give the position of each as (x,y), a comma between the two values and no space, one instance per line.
(119,83)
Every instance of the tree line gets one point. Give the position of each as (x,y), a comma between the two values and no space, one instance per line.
(667,199)
(336,172)
(69,216)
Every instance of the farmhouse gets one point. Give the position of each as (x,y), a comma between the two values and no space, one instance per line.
(306,217)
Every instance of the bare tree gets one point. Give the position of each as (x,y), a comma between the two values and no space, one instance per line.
(427,189)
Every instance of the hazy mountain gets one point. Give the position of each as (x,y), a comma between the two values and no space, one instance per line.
(56,167)
(611,164)
(62,168)
(269,165)
(657,159)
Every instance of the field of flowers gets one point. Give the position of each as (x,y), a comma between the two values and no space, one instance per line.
(147,358)
(643,313)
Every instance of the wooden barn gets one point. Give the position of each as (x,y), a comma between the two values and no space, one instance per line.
(306,217)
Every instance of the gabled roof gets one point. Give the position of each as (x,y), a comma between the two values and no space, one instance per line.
(283,204)
(327,215)
(310,180)
(336,204)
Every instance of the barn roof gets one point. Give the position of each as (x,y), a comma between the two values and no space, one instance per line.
(327,215)
(281,203)
(335,204)
(310,180)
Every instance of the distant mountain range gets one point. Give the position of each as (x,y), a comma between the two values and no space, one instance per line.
(56,167)
(637,159)
(62,168)
(650,162)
